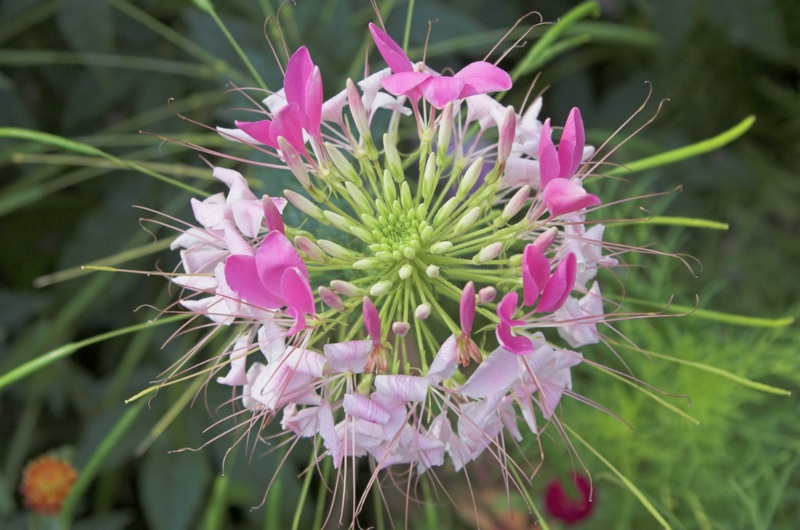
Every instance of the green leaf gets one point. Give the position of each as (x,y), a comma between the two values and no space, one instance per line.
(87,25)
(172,488)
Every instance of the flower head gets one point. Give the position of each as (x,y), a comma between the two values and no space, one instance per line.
(46,482)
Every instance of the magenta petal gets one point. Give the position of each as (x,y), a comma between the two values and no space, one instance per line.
(560,285)
(481,77)
(535,273)
(242,277)
(405,83)
(258,130)
(549,167)
(516,344)
(441,90)
(562,196)
(296,291)
(298,72)
(506,309)
(276,254)
(391,52)
(371,320)
(287,123)
(272,215)
(313,104)
(467,308)
(570,148)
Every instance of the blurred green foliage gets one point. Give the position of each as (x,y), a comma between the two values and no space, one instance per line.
(99,71)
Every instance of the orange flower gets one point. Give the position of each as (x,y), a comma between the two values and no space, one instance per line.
(46,482)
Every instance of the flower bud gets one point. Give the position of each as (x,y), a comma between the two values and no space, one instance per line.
(508,129)
(422,311)
(337,220)
(445,130)
(293,160)
(305,205)
(335,250)
(389,191)
(400,328)
(432,271)
(310,248)
(441,247)
(393,162)
(447,208)
(342,165)
(429,179)
(368,263)
(346,288)
(405,196)
(467,220)
(489,252)
(358,197)
(469,179)
(546,238)
(487,295)
(358,111)
(330,299)
(516,203)
(405,271)
(380,288)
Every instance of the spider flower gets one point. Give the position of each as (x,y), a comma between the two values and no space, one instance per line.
(434,293)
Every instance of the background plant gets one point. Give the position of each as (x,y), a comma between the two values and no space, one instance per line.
(99,71)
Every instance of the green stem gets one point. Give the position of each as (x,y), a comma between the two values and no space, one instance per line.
(717,316)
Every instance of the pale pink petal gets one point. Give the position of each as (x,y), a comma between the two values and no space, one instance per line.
(480,108)
(333,107)
(570,147)
(239,189)
(579,318)
(210,212)
(494,375)
(236,375)
(481,77)
(258,130)
(304,423)
(348,356)
(509,417)
(327,432)
(521,171)
(444,362)
(391,52)
(549,167)
(560,285)
(236,135)
(562,196)
(272,341)
(371,86)
(535,273)
(365,409)
(406,388)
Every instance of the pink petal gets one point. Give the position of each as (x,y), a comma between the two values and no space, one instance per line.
(239,189)
(405,83)
(405,388)
(516,344)
(570,147)
(327,432)
(535,273)
(391,52)
(297,291)
(272,215)
(562,196)
(371,320)
(481,77)
(494,375)
(549,166)
(276,254)
(467,308)
(559,286)
(348,356)
(521,171)
(258,130)
(242,277)
(441,90)
(298,72)
(365,409)
(287,123)
(313,104)
(444,362)
(506,309)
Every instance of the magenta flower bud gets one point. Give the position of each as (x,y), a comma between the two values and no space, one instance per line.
(546,238)
(400,328)
(330,299)
(516,203)
(467,308)
(372,321)
(487,295)
(294,161)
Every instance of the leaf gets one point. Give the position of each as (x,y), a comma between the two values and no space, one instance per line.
(172,487)
(87,25)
